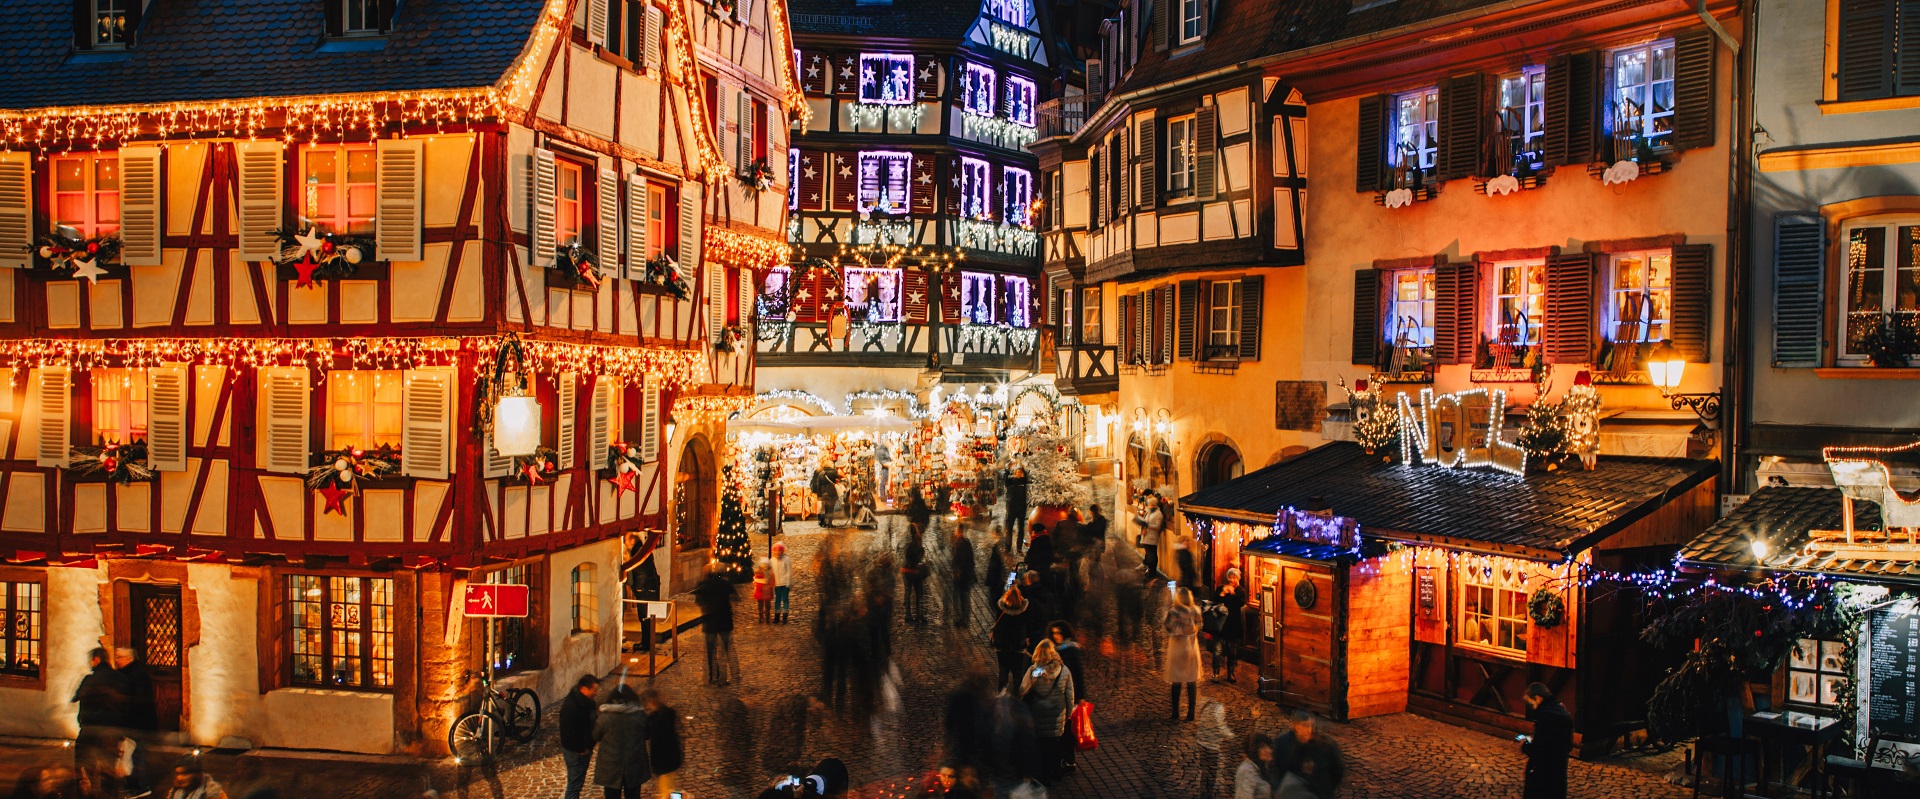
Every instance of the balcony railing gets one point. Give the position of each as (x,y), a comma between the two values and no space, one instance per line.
(1063,116)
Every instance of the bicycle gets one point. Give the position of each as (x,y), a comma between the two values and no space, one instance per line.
(510,714)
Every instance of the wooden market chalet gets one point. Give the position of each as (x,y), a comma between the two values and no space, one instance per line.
(257,320)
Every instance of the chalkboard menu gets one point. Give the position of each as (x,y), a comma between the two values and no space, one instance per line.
(1893,706)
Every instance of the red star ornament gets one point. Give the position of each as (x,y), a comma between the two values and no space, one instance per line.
(624,481)
(304,269)
(336,499)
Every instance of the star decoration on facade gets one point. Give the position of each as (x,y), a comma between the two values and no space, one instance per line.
(810,172)
(336,499)
(303,272)
(803,295)
(916,297)
(813,69)
(814,197)
(832,293)
(846,171)
(623,482)
(89,269)
(310,242)
(927,73)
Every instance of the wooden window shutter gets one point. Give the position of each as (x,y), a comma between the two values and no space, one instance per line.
(1126,328)
(653,36)
(926,78)
(597,22)
(1866,49)
(336,20)
(53,414)
(1159,12)
(1143,328)
(1145,164)
(950,297)
(803,295)
(1693,67)
(914,300)
(397,228)
(1366,317)
(1168,324)
(746,124)
(1206,129)
(141,204)
(716,285)
(426,445)
(1094,178)
(284,400)
(745,294)
(813,180)
(1907,30)
(1690,323)
(827,290)
(276,631)
(920,195)
(600,421)
(1799,289)
(167,429)
(1250,306)
(493,464)
(1461,117)
(606,205)
(1096,86)
(1572,108)
(1455,332)
(1569,326)
(690,222)
(636,227)
(1370,162)
(260,198)
(951,207)
(844,82)
(1122,159)
(16,210)
(650,420)
(567,390)
(1188,314)
(1076,300)
(545,232)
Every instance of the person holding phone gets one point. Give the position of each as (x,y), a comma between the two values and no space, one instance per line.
(1048,691)
(1547,748)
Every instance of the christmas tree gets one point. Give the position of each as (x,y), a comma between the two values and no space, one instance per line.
(1053,473)
(731,547)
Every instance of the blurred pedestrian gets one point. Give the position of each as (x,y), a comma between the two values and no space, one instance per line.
(1016,482)
(1093,531)
(665,754)
(620,738)
(1040,602)
(781,568)
(999,564)
(1306,753)
(913,569)
(962,571)
(1254,778)
(643,583)
(968,719)
(918,512)
(1150,521)
(1183,558)
(142,719)
(1009,636)
(1074,656)
(763,590)
(1048,691)
(102,697)
(1129,594)
(52,782)
(577,715)
(1040,549)
(1232,600)
(1182,665)
(715,596)
(190,782)
(1547,748)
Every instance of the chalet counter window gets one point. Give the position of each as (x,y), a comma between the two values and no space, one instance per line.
(1639,296)
(1519,309)
(86,193)
(342,631)
(1641,100)
(24,633)
(364,409)
(119,405)
(1416,132)
(1881,280)
(340,187)
(1493,608)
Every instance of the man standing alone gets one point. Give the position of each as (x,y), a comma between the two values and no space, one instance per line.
(576,731)
(1547,748)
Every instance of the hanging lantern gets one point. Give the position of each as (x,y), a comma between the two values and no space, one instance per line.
(516,426)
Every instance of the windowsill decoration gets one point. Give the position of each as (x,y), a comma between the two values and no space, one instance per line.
(69,254)
(318,255)
(1633,158)
(573,268)
(541,466)
(757,176)
(730,338)
(1571,427)
(1405,196)
(661,271)
(112,460)
(623,466)
(1892,341)
(1376,425)
(337,474)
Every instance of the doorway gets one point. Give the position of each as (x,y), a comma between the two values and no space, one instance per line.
(1218,463)
(696,497)
(157,641)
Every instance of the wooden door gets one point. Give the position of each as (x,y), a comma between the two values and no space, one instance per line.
(1307,596)
(157,641)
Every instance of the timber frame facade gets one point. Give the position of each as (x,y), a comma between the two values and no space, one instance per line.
(559,176)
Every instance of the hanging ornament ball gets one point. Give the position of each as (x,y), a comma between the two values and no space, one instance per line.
(342,464)
(46,251)
(110,464)
(93,247)
(549,466)
(326,246)
(352,254)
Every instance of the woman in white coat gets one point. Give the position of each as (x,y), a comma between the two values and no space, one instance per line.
(1182,624)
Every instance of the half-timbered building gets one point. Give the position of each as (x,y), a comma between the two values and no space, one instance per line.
(260,317)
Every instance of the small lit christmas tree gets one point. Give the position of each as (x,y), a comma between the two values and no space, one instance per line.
(731,546)
(1053,473)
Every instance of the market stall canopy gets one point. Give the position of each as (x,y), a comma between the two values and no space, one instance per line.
(764,426)
(835,424)
(1798,525)
(1542,515)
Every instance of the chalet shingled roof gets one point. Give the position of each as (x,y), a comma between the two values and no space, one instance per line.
(1785,517)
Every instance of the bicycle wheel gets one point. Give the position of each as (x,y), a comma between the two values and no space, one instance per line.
(522,715)
(475,737)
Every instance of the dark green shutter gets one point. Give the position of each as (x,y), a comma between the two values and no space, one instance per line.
(1370,144)
(1571,109)
(1455,326)
(1250,289)
(1693,67)
(1187,311)
(1366,317)
(1146,192)
(1159,11)
(1906,78)
(1866,49)
(1690,323)
(1568,329)
(1799,289)
(1461,117)
(1206,129)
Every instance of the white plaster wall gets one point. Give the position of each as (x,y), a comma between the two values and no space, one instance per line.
(73,629)
(570,655)
(224,692)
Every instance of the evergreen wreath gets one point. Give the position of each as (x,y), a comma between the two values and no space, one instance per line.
(1546,608)
(347,468)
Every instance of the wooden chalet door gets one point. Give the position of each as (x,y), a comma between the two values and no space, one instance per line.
(157,640)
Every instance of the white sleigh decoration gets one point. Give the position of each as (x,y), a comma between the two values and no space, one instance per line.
(1504,184)
(1399,198)
(1621,172)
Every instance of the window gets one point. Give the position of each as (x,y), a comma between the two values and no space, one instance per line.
(1493,607)
(363,409)
(342,631)
(1519,307)
(1192,20)
(1410,311)
(1223,319)
(569,210)
(980,83)
(1642,99)
(760,131)
(110,22)
(1054,207)
(1020,101)
(657,227)
(884,183)
(86,193)
(774,298)
(586,600)
(362,17)
(1523,115)
(1639,295)
(873,295)
(1012,12)
(1817,673)
(340,188)
(886,78)
(1019,295)
(515,641)
(24,633)
(1882,278)
(119,405)
(1416,130)
(975,189)
(1017,190)
(793,179)
(1090,315)
(1180,161)
(976,298)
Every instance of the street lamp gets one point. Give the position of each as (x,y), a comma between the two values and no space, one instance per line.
(1666,366)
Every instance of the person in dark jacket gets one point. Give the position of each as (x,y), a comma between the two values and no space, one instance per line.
(1039,549)
(1309,755)
(664,752)
(643,583)
(620,735)
(1232,599)
(914,570)
(1009,636)
(577,714)
(1074,657)
(918,511)
(1547,748)
(1093,531)
(968,721)
(1017,483)
(959,604)
(102,697)
(141,713)
(715,595)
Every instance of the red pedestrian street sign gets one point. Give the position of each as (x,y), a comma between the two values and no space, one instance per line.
(497,601)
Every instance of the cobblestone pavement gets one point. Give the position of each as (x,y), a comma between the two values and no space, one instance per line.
(738,736)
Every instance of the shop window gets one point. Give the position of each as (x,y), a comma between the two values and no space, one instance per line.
(884,183)
(586,600)
(516,642)
(1493,607)
(1017,190)
(886,78)
(976,189)
(1090,331)
(873,294)
(24,634)
(1523,115)
(1817,674)
(1180,161)
(1018,292)
(1881,282)
(1020,101)
(1410,312)
(119,405)
(1639,296)
(364,409)
(980,84)
(570,208)
(1641,98)
(342,631)
(86,193)
(339,188)
(1519,308)
(1416,131)
(976,298)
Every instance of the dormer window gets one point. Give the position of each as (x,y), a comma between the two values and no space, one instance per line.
(357,18)
(111,22)
(1193,20)
(1012,12)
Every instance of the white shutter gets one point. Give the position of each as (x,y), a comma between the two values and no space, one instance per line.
(566,386)
(716,301)
(397,214)
(141,202)
(167,418)
(260,198)
(746,299)
(636,226)
(545,225)
(597,21)
(607,204)
(283,403)
(16,209)
(53,412)
(600,420)
(746,130)
(690,222)
(426,440)
(656,29)
(493,464)
(650,420)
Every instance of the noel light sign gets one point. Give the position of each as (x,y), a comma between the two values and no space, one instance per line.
(1450,432)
